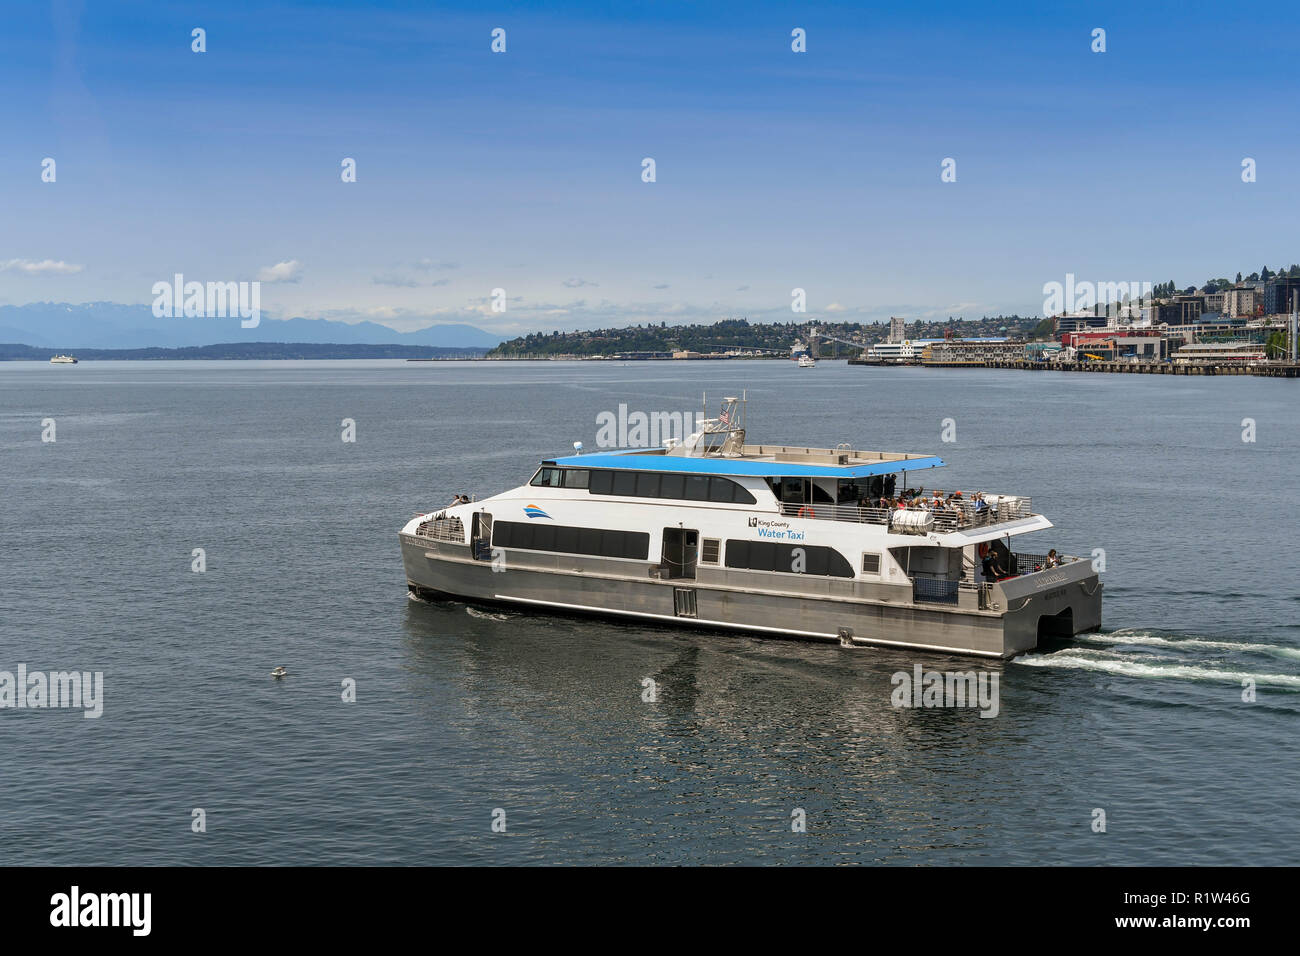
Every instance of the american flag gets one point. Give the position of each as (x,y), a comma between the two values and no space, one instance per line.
(724,417)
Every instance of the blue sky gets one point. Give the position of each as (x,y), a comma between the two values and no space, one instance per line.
(522,170)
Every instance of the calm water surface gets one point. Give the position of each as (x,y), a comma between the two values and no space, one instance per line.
(461,710)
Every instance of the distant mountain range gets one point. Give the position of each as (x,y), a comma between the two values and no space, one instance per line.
(247,350)
(110,325)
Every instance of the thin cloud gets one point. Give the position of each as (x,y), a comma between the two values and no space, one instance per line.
(44,267)
(578,283)
(432,264)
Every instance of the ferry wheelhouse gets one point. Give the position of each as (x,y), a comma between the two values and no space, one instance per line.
(833,544)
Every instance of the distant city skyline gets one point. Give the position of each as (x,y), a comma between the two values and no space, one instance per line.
(522,171)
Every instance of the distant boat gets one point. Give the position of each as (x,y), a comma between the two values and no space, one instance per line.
(63,360)
(807,361)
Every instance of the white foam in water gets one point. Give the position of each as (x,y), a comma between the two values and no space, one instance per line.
(1145,639)
(1133,668)
(473,612)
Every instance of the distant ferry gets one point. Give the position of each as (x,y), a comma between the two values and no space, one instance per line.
(63,360)
(807,361)
(820,543)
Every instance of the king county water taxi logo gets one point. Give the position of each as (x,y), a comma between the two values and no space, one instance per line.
(535,512)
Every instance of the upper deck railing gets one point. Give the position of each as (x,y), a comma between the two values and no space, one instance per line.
(442,527)
(954,514)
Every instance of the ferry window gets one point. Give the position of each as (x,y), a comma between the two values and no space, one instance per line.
(544,537)
(739,493)
(737,554)
(511,534)
(770,556)
(870,563)
(651,484)
(673,486)
(837,566)
(697,488)
(637,545)
(709,550)
(547,478)
(558,538)
(612,543)
(720,489)
(647,484)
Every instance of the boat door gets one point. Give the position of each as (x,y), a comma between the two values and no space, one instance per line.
(481,536)
(680,553)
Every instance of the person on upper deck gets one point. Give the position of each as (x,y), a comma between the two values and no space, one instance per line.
(1053,559)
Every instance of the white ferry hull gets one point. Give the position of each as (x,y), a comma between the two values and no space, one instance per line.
(1019,612)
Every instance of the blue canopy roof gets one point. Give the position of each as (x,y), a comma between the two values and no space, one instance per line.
(639,461)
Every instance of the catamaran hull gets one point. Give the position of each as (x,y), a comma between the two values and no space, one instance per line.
(1019,613)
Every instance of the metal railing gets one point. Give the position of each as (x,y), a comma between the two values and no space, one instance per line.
(442,529)
(1028,563)
(953,515)
(935,590)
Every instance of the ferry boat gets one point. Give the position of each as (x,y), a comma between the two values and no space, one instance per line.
(63,360)
(826,544)
(807,361)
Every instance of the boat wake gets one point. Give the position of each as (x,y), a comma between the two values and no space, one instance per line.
(1164,655)
(486,615)
(1140,638)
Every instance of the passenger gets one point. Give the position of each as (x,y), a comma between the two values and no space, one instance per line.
(980,504)
(1053,560)
(889,486)
(995,566)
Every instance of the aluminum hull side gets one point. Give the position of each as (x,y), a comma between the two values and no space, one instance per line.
(443,569)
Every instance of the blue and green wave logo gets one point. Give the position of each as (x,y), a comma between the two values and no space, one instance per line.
(535,512)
